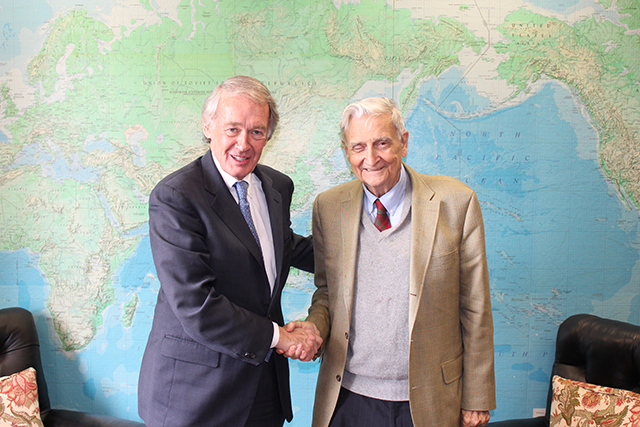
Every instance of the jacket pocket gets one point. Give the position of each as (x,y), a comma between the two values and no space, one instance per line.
(444,260)
(452,370)
(189,351)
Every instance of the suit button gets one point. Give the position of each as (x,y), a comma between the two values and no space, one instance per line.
(250,355)
(338,378)
(346,335)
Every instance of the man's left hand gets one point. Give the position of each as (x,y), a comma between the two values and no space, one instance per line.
(474,418)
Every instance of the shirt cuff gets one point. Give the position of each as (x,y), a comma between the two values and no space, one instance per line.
(276,335)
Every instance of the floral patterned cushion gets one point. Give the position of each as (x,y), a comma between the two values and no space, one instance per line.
(576,403)
(19,400)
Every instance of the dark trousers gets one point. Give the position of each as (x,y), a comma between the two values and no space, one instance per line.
(267,408)
(354,410)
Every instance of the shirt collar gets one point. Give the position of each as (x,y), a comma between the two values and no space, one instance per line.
(392,199)
(230,180)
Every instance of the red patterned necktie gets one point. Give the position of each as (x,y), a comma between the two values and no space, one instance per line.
(382,219)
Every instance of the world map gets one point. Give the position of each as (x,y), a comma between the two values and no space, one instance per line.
(535,105)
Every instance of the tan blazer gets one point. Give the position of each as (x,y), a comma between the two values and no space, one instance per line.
(451,356)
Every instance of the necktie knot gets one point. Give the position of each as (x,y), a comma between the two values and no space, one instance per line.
(382,219)
(241,189)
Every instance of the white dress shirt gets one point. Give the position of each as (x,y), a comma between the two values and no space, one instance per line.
(392,200)
(262,222)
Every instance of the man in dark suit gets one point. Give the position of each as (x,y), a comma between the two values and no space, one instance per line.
(222,245)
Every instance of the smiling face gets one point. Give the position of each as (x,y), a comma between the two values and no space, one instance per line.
(375,151)
(238,133)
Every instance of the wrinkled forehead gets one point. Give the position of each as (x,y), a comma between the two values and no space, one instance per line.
(374,124)
(370,127)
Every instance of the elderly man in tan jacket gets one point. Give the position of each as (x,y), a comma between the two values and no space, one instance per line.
(402,299)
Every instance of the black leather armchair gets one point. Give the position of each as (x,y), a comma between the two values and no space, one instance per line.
(19,350)
(594,350)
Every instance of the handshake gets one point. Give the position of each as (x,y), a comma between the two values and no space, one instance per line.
(299,340)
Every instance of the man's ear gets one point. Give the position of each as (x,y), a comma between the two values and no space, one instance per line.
(405,143)
(206,130)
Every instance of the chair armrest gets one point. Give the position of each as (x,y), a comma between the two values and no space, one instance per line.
(65,418)
(522,422)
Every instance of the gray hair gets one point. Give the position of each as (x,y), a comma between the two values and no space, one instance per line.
(373,107)
(247,87)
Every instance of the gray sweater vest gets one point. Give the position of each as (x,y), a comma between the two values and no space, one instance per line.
(378,355)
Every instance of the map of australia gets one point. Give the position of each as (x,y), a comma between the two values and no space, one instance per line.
(536,107)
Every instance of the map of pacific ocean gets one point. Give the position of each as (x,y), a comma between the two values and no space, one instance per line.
(535,105)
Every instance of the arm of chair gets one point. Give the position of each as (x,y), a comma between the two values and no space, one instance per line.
(65,418)
(522,422)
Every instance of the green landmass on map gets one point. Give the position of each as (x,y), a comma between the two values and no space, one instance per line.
(129,310)
(598,60)
(140,90)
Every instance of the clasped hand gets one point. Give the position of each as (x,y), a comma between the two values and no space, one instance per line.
(474,418)
(299,340)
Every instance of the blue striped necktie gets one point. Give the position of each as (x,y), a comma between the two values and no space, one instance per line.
(241,189)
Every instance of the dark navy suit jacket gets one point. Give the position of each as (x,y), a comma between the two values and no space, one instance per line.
(212,326)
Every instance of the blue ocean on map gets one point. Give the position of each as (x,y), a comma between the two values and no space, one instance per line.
(563,5)
(527,181)
(555,228)
(29,15)
(556,233)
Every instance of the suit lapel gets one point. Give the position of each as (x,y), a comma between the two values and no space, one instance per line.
(226,207)
(274,204)
(424,218)
(351,212)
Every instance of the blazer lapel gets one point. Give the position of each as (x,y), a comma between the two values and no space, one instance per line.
(274,204)
(351,212)
(226,207)
(424,218)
